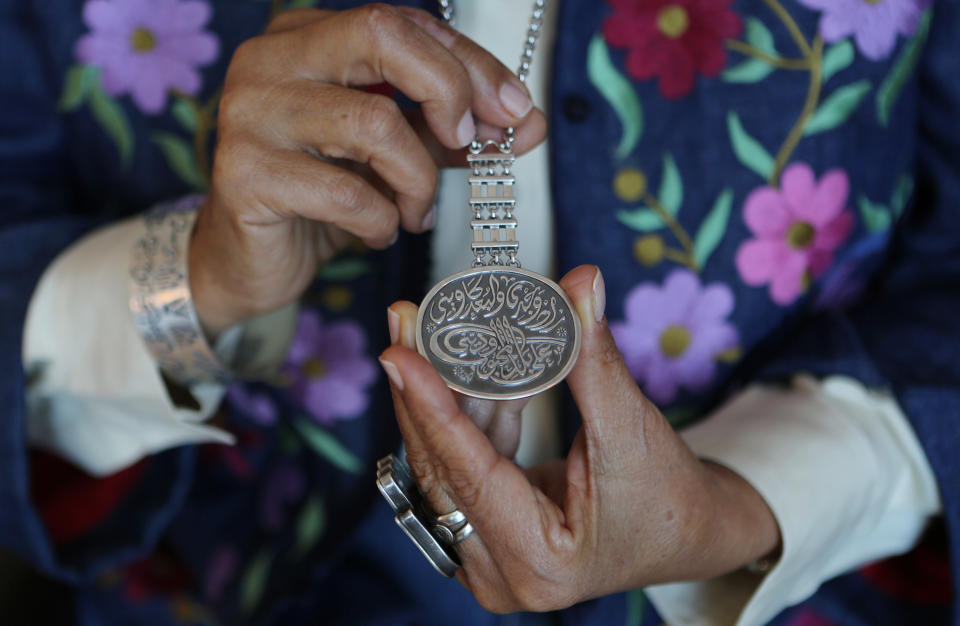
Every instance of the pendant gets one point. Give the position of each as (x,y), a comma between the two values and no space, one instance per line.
(497,331)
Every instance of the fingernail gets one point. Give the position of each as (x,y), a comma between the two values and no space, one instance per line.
(467,129)
(392,373)
(599,296)
(515,99)
(396,236)
(428,219)
(393,323)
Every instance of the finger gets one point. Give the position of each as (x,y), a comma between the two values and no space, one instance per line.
(372,44)
(607,396)
(488,488)
(527,135)
(294,183)
(498,95)
(342,123)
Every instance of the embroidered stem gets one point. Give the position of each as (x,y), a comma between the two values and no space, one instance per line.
(206,124)
(779,62)
(686,257)
(791,25)
(810,106)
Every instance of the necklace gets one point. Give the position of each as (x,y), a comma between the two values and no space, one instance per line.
(496,330)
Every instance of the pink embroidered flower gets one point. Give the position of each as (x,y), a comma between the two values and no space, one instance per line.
(672,39)
(329,368)
(673,335)
(148,47)
(797,228)
(873,24)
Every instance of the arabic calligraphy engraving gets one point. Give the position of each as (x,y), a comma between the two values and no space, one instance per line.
(499,327)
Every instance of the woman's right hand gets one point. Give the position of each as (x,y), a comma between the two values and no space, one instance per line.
(306,162)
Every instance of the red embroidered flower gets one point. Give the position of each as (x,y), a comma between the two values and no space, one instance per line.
(672,39)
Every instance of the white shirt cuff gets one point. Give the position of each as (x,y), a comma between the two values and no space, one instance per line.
(844,475)
(95,396)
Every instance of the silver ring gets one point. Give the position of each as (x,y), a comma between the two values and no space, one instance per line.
(451,528)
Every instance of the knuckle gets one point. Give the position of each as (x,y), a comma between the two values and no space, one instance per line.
(347,191)
(379,120)
(237,162)
(609,354)
(379,19)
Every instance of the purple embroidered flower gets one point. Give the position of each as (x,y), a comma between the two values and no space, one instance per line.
(674,334)
(797,228)
(221,567)
(259,407)
(148,47)
(874,24)
(329,368)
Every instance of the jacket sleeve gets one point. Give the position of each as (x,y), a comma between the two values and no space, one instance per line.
(903,334)
(40,215)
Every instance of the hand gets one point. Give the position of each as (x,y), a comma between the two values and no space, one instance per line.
(630,506)
(305,162)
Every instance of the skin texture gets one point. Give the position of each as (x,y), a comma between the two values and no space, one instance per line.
(306,161)
(630,506)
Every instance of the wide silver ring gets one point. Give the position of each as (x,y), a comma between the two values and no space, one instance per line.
(451,528)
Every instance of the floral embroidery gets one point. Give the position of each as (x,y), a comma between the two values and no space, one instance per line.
(672,40)
(797,229)
(674,335)
(873,24)
(221,568)
(329,368)
(148,47)
(258,407)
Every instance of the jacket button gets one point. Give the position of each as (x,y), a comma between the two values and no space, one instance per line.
(575,108)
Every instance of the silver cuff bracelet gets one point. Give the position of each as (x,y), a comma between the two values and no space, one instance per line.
(160,299)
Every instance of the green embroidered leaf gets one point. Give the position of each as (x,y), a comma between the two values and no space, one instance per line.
(671,186)
(180,158)
(902,69)
(254,581)
(837,58)
(680,416)
(753,70)
(876,217)
(113,120)
(76,86)
(643,220)
(713,227)
(344,270)
(901,194)
(748,150)
(302,4)
(311,523)
(636,603)
(185,113)
(324,444)
(838,107)
(618,92)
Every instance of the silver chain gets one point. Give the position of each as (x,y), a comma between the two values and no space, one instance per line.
(526,57)
(492,181)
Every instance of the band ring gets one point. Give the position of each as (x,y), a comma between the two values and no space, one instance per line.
(451,528)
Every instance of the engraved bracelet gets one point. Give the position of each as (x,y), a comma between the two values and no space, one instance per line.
(160,299)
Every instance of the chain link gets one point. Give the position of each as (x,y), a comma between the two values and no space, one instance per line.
(526,58)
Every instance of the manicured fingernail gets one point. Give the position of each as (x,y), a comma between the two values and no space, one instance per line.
(428,219)
(515,99)
(466,129)
(393,323)
(392,373)
(599,296)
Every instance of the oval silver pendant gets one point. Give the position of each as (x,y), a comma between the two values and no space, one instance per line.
(499,333)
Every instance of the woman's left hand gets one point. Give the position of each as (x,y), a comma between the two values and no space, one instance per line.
(630,506)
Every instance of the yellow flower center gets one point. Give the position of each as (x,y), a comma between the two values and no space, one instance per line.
(142,40)
(800,235)
(315,368)
(630,184)
(648,249)
(673,21)
(674,341)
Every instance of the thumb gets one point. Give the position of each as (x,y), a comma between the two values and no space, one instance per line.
(610,403)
